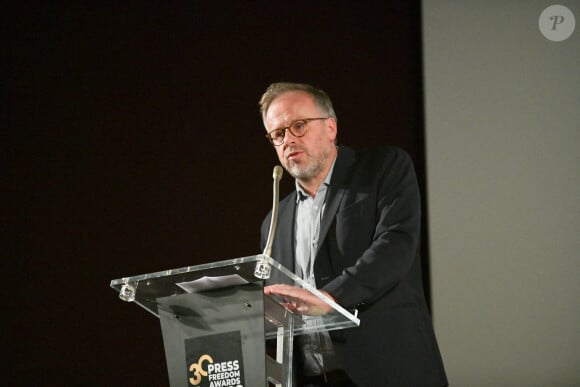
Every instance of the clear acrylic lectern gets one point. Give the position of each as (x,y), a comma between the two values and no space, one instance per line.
(216,321)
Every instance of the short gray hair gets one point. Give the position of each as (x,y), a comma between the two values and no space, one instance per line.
(321,99)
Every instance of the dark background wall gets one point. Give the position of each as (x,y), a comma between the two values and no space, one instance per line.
(131,143)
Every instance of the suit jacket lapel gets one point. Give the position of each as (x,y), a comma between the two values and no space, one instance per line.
(283,249)
(344,160)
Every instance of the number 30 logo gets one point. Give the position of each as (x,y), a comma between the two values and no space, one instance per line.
(198,370)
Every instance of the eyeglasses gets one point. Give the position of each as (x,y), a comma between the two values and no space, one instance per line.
(297,128)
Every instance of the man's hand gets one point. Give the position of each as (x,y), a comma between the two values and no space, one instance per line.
(299,300)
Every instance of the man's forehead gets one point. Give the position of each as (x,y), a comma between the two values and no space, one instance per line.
(286,106)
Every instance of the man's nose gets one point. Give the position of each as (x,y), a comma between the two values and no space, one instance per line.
(289,137)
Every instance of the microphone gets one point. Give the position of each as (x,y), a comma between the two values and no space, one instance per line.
(277,175)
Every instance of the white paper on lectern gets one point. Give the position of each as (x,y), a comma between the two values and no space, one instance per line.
(206,283)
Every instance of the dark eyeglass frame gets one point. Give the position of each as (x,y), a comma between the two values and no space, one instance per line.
(287,128)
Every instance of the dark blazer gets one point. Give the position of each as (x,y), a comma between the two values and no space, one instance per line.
(369,260)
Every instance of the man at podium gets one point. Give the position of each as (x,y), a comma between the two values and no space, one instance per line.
(351,229)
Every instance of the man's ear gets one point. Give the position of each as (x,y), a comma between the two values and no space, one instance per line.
(332,129)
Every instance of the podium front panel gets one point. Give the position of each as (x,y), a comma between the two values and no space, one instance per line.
(216,320)
(215,338)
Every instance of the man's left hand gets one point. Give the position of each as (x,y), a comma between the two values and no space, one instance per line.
(299,300)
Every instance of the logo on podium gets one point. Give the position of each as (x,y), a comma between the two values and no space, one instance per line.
(215,360)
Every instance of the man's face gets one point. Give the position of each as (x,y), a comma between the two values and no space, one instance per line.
(303,157)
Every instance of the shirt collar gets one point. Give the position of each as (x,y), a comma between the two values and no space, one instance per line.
(301,194)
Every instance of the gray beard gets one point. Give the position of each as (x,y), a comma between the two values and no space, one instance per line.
(310,170)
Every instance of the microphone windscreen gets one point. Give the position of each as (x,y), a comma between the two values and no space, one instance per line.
(277,174)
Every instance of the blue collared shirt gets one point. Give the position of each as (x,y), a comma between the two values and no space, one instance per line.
(317,348)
